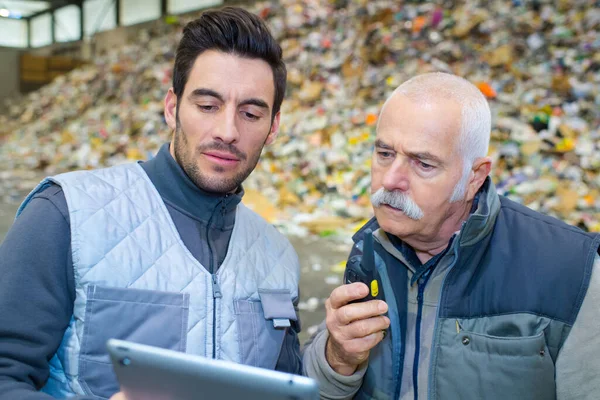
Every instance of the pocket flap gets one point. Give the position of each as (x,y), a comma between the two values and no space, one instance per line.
(277,304)
(141,296)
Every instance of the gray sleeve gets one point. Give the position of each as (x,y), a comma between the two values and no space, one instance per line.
(36,294)
(578,362)
(332,386)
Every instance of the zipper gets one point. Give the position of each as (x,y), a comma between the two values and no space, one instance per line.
(216,295)
(395,328)
(216,289)
(455,246)
(422,284)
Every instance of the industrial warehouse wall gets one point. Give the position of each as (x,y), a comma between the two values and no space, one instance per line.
(13,83)
(9,74)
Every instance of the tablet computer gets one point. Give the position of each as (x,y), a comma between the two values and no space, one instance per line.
(151,373)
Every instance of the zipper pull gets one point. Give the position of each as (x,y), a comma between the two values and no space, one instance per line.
(224,203)
(216,288)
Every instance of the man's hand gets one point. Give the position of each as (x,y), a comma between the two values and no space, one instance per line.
(354,329)
(118,396)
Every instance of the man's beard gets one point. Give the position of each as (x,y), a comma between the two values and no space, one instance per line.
(187,157)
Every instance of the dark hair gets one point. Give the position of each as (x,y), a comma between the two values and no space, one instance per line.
(230,30)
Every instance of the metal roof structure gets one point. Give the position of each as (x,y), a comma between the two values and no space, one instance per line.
(26,9)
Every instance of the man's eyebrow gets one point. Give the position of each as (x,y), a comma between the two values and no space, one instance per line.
(200,92)
(255,102)
(379,143)
(425,155)
(420,155)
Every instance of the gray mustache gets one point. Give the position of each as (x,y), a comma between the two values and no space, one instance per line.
(398,200)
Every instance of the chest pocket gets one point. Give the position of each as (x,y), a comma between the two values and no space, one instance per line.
(495,358)
(262,325)
(143,316)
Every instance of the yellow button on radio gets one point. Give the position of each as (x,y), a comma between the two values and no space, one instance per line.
(374,288)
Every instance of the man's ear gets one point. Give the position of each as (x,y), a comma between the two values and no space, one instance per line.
(274,129)
(481,169)
(171,109)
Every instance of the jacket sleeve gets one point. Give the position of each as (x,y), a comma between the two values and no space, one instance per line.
(578,362)
(36,295)
(332,386)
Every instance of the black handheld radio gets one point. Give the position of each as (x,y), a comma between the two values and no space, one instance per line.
(362,269)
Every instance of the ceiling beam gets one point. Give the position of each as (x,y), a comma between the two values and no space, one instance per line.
(55,5)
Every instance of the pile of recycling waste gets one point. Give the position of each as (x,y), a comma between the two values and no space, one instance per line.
(537,62)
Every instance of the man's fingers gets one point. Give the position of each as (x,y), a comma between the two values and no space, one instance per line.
(359,311)
(366,327)
(361,346)
(344,294)
(373,339)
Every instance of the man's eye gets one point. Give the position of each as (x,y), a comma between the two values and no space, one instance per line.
(207,108)
(424,166)
(250,116)
(385,154)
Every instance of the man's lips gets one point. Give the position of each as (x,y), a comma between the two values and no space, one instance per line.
(393,208)
(222,158)
(222,155)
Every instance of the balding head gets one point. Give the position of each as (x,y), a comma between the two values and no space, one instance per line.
(429,159)
(475,121)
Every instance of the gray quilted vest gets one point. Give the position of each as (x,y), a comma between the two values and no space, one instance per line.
(135,280)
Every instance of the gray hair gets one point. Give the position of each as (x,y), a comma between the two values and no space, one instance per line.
(476,118)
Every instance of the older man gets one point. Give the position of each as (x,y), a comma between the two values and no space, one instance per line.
(482,298)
